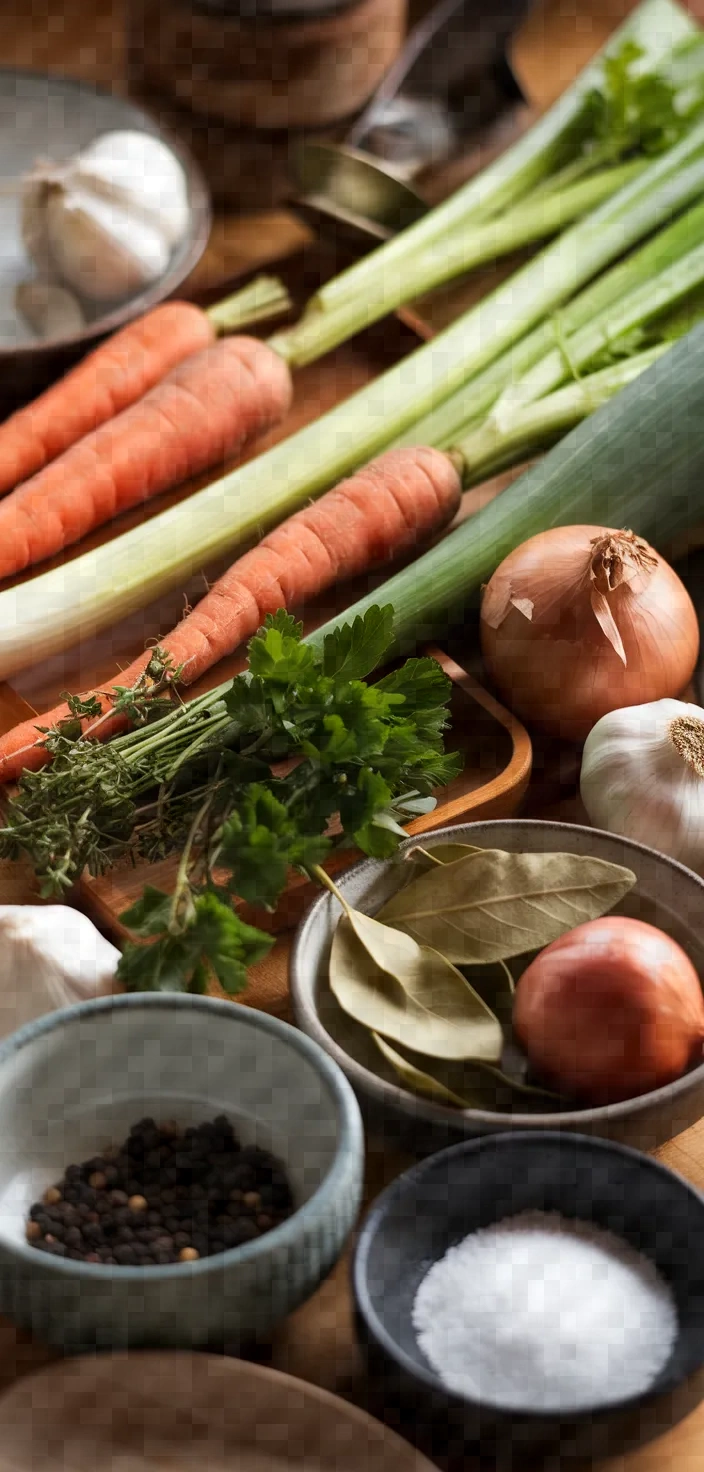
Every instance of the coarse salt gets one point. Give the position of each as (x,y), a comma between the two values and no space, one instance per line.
(544,1313)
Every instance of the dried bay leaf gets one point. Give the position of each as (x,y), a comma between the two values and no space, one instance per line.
(409,993)
(419,1082)
(490,905)
(465,1085)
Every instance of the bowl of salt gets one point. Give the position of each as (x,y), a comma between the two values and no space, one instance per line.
(534,1295)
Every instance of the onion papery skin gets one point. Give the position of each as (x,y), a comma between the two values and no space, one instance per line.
(557,669)
(611,1010)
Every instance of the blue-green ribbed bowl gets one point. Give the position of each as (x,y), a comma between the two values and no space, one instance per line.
(77,1080)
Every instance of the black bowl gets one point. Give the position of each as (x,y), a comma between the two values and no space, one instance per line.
(472,1185)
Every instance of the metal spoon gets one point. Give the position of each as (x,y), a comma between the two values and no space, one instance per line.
(451,81)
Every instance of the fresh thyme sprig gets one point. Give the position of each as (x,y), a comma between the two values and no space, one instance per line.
(299,754)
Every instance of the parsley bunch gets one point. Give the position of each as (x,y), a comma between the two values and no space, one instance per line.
(297,755)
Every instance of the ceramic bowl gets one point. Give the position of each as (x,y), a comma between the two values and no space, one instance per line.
(47,116)
(437,1203)
(665,894)
(78,1079)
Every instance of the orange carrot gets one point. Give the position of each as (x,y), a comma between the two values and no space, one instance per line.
(107,381)
(379,513)
(200,415)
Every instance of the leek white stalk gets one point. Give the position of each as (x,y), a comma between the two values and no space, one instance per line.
(82,597)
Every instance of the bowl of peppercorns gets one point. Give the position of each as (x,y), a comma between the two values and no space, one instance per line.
(174,1171)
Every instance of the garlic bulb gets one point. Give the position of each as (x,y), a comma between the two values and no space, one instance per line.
(106,222)
(50,957)
(643,777)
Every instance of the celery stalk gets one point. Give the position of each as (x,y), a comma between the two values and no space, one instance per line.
(504,442)
(669,183)
(658,26)
(474,399)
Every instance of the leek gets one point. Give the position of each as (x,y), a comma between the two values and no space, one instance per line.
(638,462)
(74,601)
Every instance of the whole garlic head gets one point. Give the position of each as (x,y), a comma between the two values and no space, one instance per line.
(106,222)
(50,956)
(643,777)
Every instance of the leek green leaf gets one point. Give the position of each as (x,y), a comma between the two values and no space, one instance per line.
(491,905)
(409,993)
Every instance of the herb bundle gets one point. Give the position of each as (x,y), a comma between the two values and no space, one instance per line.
(297,755)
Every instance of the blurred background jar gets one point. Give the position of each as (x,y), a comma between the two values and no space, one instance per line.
(239,80)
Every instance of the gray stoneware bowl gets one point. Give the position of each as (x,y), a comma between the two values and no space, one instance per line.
(435,1205)
(666,894)
(77,1080)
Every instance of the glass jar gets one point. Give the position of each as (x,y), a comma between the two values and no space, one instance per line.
(238,78)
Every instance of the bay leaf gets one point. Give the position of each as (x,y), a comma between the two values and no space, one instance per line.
(419,1082)
(462,1085)
(490,905)
(409,993)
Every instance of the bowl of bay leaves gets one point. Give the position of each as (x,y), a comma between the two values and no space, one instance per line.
(428,1045)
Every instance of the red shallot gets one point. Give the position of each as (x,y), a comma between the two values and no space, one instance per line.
(610,1010)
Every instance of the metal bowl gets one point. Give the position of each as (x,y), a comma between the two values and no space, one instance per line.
(665,894)
(47,116)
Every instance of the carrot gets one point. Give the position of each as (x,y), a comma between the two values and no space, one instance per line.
(200,415)
(378,514)
(104,383)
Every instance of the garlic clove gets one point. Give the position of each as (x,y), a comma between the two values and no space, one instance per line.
(51,956)
(34,225)
(101,250)
(139,173)
(50,310)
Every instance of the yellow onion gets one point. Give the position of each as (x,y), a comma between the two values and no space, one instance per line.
(582,620)
(610,1010)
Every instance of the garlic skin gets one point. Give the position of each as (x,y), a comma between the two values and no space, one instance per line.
(138,172)
(50,957)
(100,250)
(643,777)
(106,223)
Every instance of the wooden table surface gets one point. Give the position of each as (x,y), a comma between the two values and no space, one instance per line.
(85,40)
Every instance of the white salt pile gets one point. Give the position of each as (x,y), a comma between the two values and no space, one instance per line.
(544,1313)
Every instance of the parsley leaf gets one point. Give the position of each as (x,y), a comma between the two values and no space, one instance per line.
(355,649)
